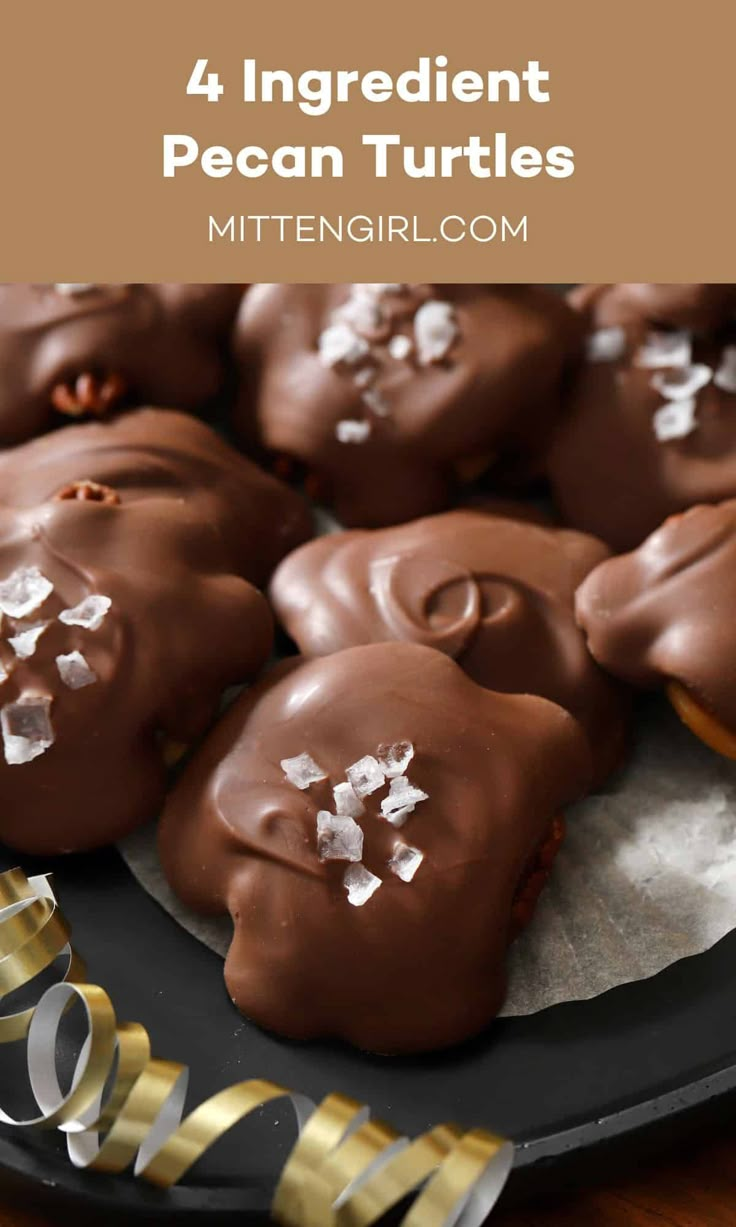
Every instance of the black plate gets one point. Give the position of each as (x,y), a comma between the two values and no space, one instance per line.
(577,1087)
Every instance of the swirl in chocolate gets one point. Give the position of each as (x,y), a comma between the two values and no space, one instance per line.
(77,350)
(495,593)
(390,395)
(381,917)
(664,613)
(126,551)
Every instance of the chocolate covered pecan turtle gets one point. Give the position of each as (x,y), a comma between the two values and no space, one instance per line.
(663,616)
(651,424)
(82,350)
(494,592)
(127,551)
(391,395)
(377,825)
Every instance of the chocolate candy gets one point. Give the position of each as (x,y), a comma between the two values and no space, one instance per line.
(367,818)
(155,453)
(495,593)
(697,307)
(390,395)
(77,350)
(664,614)
(126,611)
(651,427)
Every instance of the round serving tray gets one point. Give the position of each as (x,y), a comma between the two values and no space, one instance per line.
(577,1087)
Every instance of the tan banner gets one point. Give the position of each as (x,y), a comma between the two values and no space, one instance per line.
(553,140)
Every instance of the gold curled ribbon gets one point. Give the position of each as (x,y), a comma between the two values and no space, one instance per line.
(125,1108)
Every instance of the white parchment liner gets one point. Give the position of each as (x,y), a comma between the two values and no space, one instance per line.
(647,874)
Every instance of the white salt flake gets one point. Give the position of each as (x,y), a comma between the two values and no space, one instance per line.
(346,800)
(24,591)
(339,838)
(360,884)
(401,800)
(364,377)
(675,420)
(25,641)
(26,729)
(89,613)
(606,345)
(302,771)
(725,376)
(435,330)
(380,288)
(376,402)
(405,861)
(72,288)
(366,776)
(682,383)
(360,312)
(395,759)
(662,349)
(341,343)
(348,431)
(400,346)
(74,671)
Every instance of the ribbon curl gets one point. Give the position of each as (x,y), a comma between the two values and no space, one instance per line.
(125,1108)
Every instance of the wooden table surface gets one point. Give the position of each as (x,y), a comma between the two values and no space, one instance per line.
(693,1190)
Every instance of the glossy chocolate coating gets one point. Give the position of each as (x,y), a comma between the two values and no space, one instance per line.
(610,474)
(701,307)
(495,593)
(490,402)
(421,964)
(158,453)
(666,611)
(161,344)
(172,536)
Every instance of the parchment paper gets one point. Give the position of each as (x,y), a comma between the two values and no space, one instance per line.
(647,874)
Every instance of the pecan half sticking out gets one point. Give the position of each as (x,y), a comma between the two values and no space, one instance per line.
(88,395)
(89,492)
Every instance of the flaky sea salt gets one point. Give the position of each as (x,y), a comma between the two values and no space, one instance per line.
(683,382)
(401,800)
(405,861)
(606,345)
(380,287)
(361,311)
(72,288)
(365,776)
(374,400)
(302,771)
(395,759)
(24,591)
(360,884)
(89,613)
(74,670)
(341,343)
(675,420)
(725,376)
(26,729)
(435,330)
(346,801)
(349,431)
(364,377)
(400,346)
(25,641)
(665,349)
(339,838)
